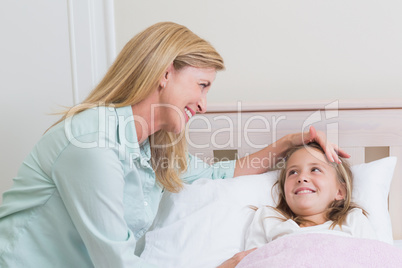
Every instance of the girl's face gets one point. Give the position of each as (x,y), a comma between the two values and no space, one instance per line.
(311,184)
(185,93)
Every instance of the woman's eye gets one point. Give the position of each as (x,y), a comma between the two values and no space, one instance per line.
(205,85)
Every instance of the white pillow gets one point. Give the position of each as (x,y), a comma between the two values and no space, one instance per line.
(205,223)
(371,188)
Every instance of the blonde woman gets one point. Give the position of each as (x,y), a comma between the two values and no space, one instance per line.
(90,188)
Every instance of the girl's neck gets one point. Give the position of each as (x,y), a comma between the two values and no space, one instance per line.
(313,220)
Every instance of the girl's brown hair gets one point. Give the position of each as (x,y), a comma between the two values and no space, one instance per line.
(338,210)
(136,73)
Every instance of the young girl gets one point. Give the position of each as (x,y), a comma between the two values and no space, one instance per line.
(314,197)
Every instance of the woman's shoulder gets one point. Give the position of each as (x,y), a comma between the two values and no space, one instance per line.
(88,121)
(95,128)
(93,120)
(94,125)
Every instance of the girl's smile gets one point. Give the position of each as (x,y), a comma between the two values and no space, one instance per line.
(304,190)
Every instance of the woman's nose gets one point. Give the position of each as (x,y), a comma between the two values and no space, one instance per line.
(202,105)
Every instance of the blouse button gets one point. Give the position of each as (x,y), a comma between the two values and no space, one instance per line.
(145,203)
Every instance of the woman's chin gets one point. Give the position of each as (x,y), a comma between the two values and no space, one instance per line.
(177,129)
(180,130)
(175,126)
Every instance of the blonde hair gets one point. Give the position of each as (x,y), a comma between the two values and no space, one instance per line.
(136,73)
(338,209)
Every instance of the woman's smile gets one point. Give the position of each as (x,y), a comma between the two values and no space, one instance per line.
(189,113)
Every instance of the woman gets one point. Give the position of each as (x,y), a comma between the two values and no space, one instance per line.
(91,186)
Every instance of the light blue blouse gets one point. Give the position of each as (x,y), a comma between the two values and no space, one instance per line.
(86,194)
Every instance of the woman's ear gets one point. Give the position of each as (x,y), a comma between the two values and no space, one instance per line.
(166,76)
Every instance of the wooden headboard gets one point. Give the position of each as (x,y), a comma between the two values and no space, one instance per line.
(366,130)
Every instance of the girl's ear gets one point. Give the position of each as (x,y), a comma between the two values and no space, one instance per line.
(340,195)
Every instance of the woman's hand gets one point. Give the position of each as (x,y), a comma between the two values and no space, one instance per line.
(266,159)
(332,151)
(232,262)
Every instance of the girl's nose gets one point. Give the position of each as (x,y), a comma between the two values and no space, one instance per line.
(302,178)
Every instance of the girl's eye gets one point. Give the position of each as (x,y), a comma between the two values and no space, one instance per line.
(292,172)
(315,170)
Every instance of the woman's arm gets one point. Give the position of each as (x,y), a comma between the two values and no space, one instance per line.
(265,159)
(197,169)
(91,185)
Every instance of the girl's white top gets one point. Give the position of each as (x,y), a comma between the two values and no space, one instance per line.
(268,225)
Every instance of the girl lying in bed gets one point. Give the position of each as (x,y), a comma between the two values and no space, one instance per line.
(314,197)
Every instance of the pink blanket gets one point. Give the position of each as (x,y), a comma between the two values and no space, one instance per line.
(323,250)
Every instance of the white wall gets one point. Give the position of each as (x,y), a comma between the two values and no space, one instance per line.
(32,86)
(288,50)
(52,54)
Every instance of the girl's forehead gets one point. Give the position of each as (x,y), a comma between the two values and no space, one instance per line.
(308,155)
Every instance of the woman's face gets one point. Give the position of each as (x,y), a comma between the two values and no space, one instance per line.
(311,183)
(185,93)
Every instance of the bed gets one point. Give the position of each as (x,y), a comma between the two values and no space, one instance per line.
(205,223)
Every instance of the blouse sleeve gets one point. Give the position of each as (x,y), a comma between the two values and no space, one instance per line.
(91,184)
(199,169)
